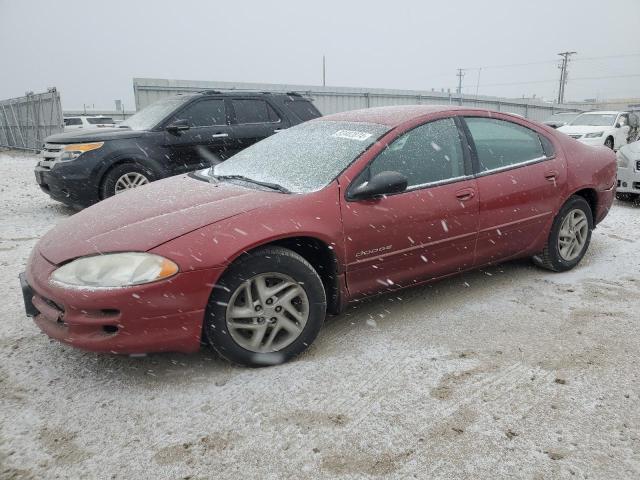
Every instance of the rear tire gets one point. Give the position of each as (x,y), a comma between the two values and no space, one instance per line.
(569,237)
(267,308)
(117,179)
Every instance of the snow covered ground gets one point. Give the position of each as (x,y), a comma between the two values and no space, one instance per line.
(510,372)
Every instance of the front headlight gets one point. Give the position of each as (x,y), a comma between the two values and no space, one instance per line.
(594,135)
(115,270)
(73,151)
(622,160)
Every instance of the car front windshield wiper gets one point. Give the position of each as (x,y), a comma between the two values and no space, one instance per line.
(272,186)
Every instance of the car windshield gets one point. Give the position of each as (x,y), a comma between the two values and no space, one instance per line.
(150,116)
(304,158)
(595,119)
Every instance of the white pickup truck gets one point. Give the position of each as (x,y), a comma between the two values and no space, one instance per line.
(608,128)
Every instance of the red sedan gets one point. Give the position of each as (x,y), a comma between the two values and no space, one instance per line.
(249,256)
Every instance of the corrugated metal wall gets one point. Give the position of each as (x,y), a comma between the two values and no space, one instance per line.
(26,121)
(338,99)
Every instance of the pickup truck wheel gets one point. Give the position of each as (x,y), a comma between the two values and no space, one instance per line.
(609,143)
(267,308)
(124,177)
(569,237)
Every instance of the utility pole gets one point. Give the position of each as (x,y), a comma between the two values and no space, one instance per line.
(460,74)
(563,74)
(324,70)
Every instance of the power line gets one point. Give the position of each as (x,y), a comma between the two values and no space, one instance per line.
(543,62)
(554,80)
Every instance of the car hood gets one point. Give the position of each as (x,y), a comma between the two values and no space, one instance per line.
(143,218)
(94,135)
(583,129)
(632,150)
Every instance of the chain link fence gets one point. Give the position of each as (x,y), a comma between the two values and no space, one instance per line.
(26,121)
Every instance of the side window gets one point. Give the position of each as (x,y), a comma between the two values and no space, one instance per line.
(429,153)
(204,113)
(72,121)
(254,111)
(501,144)
(303,109)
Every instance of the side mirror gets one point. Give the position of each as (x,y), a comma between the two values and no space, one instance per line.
(617,125)
(383,183)
(177,126)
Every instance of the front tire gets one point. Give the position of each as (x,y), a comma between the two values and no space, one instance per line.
(267,308)
(569,237)
(124,177)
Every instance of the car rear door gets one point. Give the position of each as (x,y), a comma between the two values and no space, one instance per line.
(520,182)
(427,231)
(253,120)
(205,142)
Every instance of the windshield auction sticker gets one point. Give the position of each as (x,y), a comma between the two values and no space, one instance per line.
(352,135)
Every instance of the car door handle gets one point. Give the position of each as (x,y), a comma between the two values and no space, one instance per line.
(219,135)
(465,194)
(551,175)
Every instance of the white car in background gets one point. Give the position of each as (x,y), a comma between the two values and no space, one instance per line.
(629,172)
(610,129)
(87,122)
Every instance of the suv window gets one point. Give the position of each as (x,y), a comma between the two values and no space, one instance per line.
(254,111)
(303,109)
(204,113)
(99,120)
(501,144)
(72,121)
(429,153)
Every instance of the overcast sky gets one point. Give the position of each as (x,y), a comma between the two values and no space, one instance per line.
(91,50)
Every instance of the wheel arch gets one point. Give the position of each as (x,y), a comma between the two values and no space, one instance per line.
(319,254)
(591,196)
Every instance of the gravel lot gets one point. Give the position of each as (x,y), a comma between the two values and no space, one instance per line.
(507,372)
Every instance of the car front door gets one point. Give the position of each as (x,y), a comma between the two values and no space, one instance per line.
(253,120)
(424,232)
(202,138)
(520,183)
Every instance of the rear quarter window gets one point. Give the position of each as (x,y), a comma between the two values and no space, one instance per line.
(303,109)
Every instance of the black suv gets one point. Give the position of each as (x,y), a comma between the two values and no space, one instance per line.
(175,135)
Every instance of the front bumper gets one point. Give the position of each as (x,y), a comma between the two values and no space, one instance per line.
(629,178)
(67,186)
(157,317)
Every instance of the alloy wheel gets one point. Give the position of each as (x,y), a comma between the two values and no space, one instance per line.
(267,312)
(573,234)
(130,180)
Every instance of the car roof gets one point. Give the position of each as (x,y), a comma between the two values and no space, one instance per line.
(393,115)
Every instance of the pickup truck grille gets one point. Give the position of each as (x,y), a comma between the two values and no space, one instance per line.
(638,165)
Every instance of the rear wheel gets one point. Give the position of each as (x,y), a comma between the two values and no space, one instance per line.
(267,308)
(569,237)
(125,177)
